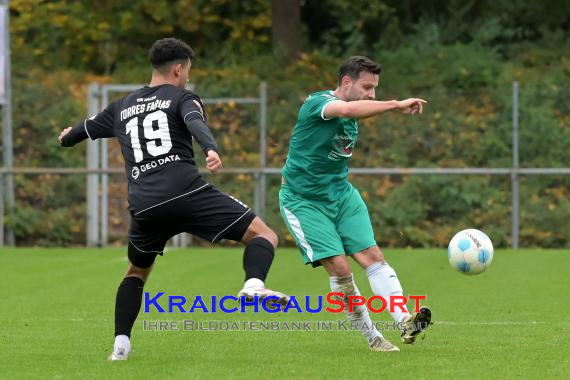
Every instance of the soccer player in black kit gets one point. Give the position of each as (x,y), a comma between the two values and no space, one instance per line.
(155,126)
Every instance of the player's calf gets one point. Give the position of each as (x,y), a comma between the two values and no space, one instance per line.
(258,256)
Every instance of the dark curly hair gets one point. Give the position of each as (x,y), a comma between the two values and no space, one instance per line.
(166,51)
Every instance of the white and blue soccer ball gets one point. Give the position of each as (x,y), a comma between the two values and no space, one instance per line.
(470,251)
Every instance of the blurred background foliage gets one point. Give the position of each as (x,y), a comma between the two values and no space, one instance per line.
(461,56)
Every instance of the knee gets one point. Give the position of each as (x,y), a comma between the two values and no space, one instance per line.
(134,271)
(259,229)
(379,257)
(337,266)
(375,254)
(343,271)
(271,237)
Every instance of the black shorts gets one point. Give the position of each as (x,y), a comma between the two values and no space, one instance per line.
(206,212)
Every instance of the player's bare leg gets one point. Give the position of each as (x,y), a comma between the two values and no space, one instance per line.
(127,306)
(260,243)
(385,283)
(342,281)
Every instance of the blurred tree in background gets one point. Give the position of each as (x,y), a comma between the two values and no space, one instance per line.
(460,55)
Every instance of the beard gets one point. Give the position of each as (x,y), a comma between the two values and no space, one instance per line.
(353,97)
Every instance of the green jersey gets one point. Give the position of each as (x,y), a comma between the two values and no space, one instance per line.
(320,150)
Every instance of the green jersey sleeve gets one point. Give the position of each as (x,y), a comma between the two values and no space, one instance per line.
(314,106)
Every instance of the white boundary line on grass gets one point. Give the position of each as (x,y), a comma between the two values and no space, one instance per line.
(493,323)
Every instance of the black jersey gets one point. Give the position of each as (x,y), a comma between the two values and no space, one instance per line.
(150,124)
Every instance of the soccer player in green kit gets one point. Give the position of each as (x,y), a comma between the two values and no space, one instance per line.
(325,213)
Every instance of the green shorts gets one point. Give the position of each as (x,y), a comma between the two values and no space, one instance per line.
(324,229)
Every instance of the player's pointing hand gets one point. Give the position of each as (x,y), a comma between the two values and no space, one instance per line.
(213,161)
(411,105)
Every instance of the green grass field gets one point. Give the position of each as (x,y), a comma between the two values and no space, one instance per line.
(56,319)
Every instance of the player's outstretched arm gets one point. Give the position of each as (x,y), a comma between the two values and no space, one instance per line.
(202,134)
(96,127)
(359,109)
(205,139)
(72,135)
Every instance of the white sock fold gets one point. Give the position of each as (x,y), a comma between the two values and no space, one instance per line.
(254,283)
(122,341)
(385,283)
(346,286)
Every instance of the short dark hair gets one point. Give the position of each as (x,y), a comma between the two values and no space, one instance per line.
(167,51)
(356,65)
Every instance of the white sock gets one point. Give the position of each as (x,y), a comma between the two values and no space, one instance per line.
(254,283)
(385,283)
(122,341)
(346,286)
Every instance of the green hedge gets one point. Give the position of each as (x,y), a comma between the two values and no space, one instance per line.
(467,122)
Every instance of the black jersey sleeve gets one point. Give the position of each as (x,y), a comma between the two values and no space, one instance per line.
(102,124)
(193,114)
(191,107)
(202,134)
